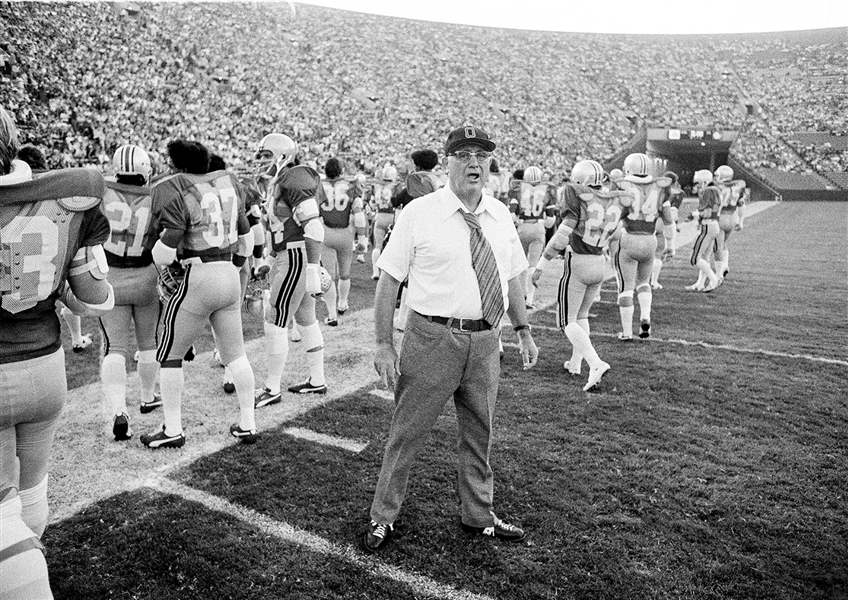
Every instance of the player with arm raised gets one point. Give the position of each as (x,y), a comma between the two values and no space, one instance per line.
(51,236)
(590,215)
(127,203)
(297,237)
(646,202)
(343,217)
(203,224)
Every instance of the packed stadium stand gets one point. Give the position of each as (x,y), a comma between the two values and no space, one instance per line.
(83,78)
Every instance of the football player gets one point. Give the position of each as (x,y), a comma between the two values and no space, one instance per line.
(127,203)
(297,236)
(709,204)
(660,255)
(343,217)
(646,202)
(202,214)
(384,216)
(590,215)
(729,217)
(51,236)
(533,203)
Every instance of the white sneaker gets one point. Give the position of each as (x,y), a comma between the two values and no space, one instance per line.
(623,337)
(595,375)
(711,286)
(342,308)
(573,368)
(85,342)
(695,288)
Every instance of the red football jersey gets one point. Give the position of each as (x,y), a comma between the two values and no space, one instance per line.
(129,209)
(291,187)
(339,198)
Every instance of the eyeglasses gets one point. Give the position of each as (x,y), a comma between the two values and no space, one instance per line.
(465,156)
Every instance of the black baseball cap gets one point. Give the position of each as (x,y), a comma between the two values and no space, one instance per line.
(468,135)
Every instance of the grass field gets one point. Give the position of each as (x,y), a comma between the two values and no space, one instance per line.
(711,463)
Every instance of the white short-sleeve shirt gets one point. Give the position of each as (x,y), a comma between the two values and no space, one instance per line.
(430,245)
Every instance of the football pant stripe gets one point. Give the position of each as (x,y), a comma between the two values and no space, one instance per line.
(619,276)
(105,337)
(696,249)
(165,346)
(562,305)
(282,303)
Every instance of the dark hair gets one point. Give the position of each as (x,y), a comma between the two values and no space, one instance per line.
(493,166)
(425,160)
(216,163)
(33,156)
(333,168)
(518,174)
(189,157)
(131,179)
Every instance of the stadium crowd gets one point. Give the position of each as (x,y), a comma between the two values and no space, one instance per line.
(226,72)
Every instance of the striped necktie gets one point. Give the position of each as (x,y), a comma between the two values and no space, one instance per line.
(486,269)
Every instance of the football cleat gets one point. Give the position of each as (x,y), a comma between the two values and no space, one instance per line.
(331,322)
(190,354)
(499,529)
(121,427)
(360,258)
(150,405)
(572,367)
(245,436)
(623,337)
(342,308)
(377,536)
(695,288)
(161,440)
(265,397)
(595,374)
(308,388)
(645,329)
(85,342)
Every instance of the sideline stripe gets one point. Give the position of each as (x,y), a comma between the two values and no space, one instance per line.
(759,351)
(420,585)
(327,440)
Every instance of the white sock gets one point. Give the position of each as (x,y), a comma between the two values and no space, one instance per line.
(313,341)
(701,277)
(580,340)
(243,379)
(74,324)
(34,506)
(331,300)
(375,255)
(113,378)
(645,298)
(344,291)
(655,272)
(148,369)
(277,352)
(172,382)
(707,273)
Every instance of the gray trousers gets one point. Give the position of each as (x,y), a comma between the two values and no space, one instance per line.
(438,363)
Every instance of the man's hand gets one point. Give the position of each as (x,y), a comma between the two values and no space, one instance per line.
(738,226)
(313,279)
(386,364)
(529,351)
(668,254)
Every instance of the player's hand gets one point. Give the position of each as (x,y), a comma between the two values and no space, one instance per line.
(536,276)
(738,227)
(668,254)
(386,364)
(528,349)
(313,279)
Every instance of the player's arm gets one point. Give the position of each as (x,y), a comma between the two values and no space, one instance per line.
(669,229)
(244,246)
(87,291)
(550,213)
(172,225)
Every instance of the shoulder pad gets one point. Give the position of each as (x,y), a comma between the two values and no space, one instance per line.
(663,182)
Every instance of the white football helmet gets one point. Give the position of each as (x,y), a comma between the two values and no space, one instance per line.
(130,159)
(703,176)
(276,149)
(588,172)
(723,174)
(533,175)
(637,164)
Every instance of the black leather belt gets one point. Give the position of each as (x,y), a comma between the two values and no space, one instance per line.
(466,325)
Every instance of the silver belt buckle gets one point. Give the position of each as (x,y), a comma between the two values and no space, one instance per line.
(462,325)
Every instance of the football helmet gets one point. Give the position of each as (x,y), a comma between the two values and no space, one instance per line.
(637,164)
(703,176)
(130,159)
(533,175)
(723,174)
(588,172)
(276,149)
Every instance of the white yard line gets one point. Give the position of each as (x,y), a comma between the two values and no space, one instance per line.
(384,394)
(327,440)
(420,585)
(728,347)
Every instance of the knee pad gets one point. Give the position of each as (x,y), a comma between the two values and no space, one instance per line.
(625,298)
(34,506)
